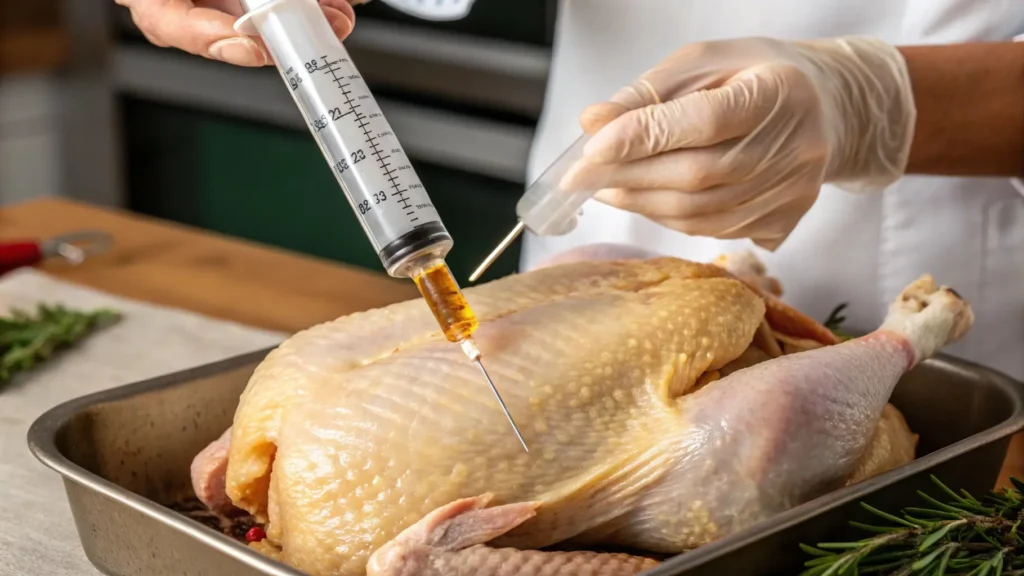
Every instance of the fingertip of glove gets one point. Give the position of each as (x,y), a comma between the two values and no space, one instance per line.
(603,148)
(599,115)
(611,196)
(571,179)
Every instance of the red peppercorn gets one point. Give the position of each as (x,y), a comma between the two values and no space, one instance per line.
(255,534)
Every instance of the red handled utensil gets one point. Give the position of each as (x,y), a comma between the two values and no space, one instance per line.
(74,248)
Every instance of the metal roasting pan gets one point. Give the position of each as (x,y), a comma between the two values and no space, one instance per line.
(125,453)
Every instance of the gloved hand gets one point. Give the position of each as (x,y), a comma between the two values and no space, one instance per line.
(205,27)
(733,139)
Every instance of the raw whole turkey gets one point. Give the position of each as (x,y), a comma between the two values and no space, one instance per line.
(666,404)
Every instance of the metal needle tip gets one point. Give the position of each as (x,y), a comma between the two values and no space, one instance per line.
(502,403)
(497,252)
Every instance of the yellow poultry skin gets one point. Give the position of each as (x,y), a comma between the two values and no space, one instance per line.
(356,430)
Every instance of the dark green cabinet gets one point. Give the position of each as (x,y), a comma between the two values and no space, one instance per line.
(271,185)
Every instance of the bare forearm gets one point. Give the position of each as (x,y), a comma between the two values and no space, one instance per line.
(970,109)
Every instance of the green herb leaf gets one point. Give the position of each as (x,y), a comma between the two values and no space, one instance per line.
(814,551)
(935,536)
(927,560)
(887,516)
(961,537)
(28,340)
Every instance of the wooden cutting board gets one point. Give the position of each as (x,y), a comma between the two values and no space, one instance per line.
(174,265)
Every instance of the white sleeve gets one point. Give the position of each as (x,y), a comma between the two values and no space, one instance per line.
(438,11)
(1018,183)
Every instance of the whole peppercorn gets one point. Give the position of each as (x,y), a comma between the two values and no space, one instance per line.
(255,534)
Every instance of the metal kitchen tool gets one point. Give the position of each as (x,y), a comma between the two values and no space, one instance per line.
(74,247)
(125,454)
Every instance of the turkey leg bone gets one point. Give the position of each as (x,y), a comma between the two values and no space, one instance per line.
(763,439)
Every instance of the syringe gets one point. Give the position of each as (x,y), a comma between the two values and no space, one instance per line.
(546,209)
(367,160)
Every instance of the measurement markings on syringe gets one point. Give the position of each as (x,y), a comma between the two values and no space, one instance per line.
(389,171)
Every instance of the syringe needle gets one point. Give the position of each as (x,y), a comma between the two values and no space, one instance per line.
(497,252)
(502,403)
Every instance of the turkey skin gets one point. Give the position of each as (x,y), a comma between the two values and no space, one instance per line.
(666,403)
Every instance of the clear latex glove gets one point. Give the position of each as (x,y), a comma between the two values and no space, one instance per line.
(206,27)
(734,139)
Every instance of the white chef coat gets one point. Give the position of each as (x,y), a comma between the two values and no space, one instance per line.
(860,249)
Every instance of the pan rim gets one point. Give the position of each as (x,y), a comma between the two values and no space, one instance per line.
(42,443)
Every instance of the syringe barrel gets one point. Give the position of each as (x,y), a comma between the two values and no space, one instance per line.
(364,154)
(548,210)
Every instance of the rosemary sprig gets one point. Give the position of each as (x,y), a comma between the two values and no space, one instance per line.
(959,536)
(27,340)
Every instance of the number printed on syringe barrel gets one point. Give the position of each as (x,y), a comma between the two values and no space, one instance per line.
(364,153)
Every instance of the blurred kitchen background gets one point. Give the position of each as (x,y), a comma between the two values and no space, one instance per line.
(90,111)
